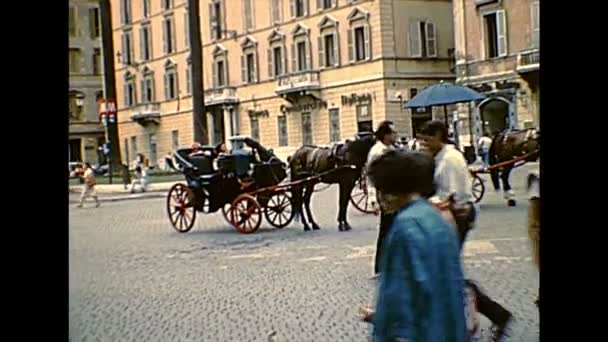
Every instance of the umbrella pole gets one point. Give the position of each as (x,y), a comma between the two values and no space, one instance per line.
(445,114)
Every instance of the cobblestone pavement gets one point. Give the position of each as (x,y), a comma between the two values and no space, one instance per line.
(133,278)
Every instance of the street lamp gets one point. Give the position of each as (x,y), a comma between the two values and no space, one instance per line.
(79,101)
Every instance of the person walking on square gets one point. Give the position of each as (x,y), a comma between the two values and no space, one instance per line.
(453,183)
(141,180)
(484,149)
(385,140)
(89,186)
(421,290)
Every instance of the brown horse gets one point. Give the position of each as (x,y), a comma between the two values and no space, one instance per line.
(508,145)
(311,160)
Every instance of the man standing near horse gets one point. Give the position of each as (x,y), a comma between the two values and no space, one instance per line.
(453,183)
(386,137)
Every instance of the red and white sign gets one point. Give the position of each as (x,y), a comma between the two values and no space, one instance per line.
(107,108)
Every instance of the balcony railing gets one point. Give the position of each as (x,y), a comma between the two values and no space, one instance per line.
(220,95)
(146,108)
(308,80)
(528,61)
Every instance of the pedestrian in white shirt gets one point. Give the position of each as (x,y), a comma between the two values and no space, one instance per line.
(452,179)
(89,186)
(484,149)
(386,137)
(141,180)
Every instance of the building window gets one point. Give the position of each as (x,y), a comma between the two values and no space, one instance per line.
(75,109)
(146,8)
(125,12)
(359,44)
(306,129)
(187,28)
(188,79)
(171,83)
(255,128)
(145,40)
(328,50)
(275,61)
(495,32)
(536,24)
(167,4)
(127,48)
(302,56)
(175,139)
(248,13)
(169,35)
(364,118)
(97,61)
(129,90)
(147,87)
(216,20)
(152,148)
(250,68)
(325,4)
(134,149)
(282,123)
(72,22)
(126,150)
(334,125)
(219,73)
(299,8)
(276,11)
(422,39)
(74,60)
(94,25)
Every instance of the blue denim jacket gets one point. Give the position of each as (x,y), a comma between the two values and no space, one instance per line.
(420,295)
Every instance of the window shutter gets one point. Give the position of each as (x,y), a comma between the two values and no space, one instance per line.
(143,90)
(270,64)
(125,90)
(308,58)
(414,35)
(124,48)
(351,47)
(187,28)
(188,79)
(305,5)
(166,83)
(321,52)
(336,48)
(212,21)
(165,46)
(431,40)
(294,60)
(292,8)
(123,16)
(285,61)
(368,42)
(92,23)
(535,24)
(319,5)
(501,29)
(142,48)
(215,74)
(173,36)
(243,69)
(255,66)
(276,10)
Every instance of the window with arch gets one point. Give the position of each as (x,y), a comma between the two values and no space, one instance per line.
(328,43)
(129,98)
(277,55)
(300,49)
(249,61)
(359,36)
(147,86)
(298,8)
(171,87)
(220,67)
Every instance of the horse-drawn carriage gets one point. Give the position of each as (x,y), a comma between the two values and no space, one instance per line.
(240,184)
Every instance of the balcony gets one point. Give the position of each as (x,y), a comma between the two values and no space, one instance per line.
(302,83)
(146,113)
(217,96)
(528,61)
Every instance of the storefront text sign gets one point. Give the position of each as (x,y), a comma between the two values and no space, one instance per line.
(356,99)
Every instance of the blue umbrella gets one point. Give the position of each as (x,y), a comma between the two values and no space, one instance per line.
(443,94)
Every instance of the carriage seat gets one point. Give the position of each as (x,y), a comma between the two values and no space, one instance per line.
(204,164)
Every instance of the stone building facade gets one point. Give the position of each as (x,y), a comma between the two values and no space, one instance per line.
(286,72)
(86,133)
(498,53)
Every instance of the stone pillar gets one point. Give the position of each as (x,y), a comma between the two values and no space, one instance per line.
(228,126)
(211,128)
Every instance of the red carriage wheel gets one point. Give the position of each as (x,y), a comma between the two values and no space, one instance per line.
(226,212)
(246,214)
(278,211)
(180,207)
(358,197)
(477,188)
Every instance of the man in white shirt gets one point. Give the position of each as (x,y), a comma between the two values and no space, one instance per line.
(386,137)
(89,186)
(484,149)
(452,179)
